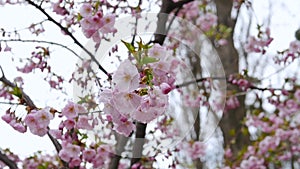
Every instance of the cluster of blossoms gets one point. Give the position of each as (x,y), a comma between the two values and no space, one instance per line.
(290,54)
(38,121)
(240,81)
(39,160)
(252,162)
(37,61)
(11,2)
(260,43)
(140,95)
(278,133)
(205,21)
(94,23)
(58,9)
(193,149)
(74,150)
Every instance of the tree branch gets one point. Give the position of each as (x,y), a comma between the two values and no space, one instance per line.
(67,32)
(120,147)
(139,143)
(11,164)
(167,7)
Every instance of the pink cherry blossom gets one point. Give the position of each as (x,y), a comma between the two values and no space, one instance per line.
(7,48)
(243,84)
(73,150)
(158,52)
(197,150)
(126,78)
(253,162)
(86,10)
(108,23)
(38,121)
(75,162)
(64,155)
(294,46)
(144,115)
(190,10)
(71,110)
(112,112)
(232,102)
(297,95)
(43,117)
(207,21)
(152,105)
(126,103)
(30,120)
(56,133)
(58,9)
(124,126)
(88,154)
(193,149)
(19,127)
(98,161)
(83,123)
(39,131)
(257,45)
(165,88)
(7,118)
(69,124)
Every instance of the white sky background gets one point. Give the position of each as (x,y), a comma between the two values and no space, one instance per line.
(284,23)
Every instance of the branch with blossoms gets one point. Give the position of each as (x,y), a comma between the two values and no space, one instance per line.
(26,101)
(10,163)
(67,32)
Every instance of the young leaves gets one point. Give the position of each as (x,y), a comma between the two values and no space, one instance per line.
(141,53)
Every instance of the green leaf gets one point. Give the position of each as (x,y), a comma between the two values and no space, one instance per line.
(146,60)
(129,46)
(41,167)
(17,92)
(79,17)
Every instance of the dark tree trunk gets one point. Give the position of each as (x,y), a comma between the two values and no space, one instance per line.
(231,121)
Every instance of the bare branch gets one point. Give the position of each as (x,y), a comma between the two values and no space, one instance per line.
(42,41)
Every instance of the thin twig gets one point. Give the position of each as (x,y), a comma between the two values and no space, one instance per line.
(135,24)
(42,41)
(10,103)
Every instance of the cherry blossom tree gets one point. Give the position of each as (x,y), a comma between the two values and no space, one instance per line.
(150,100)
